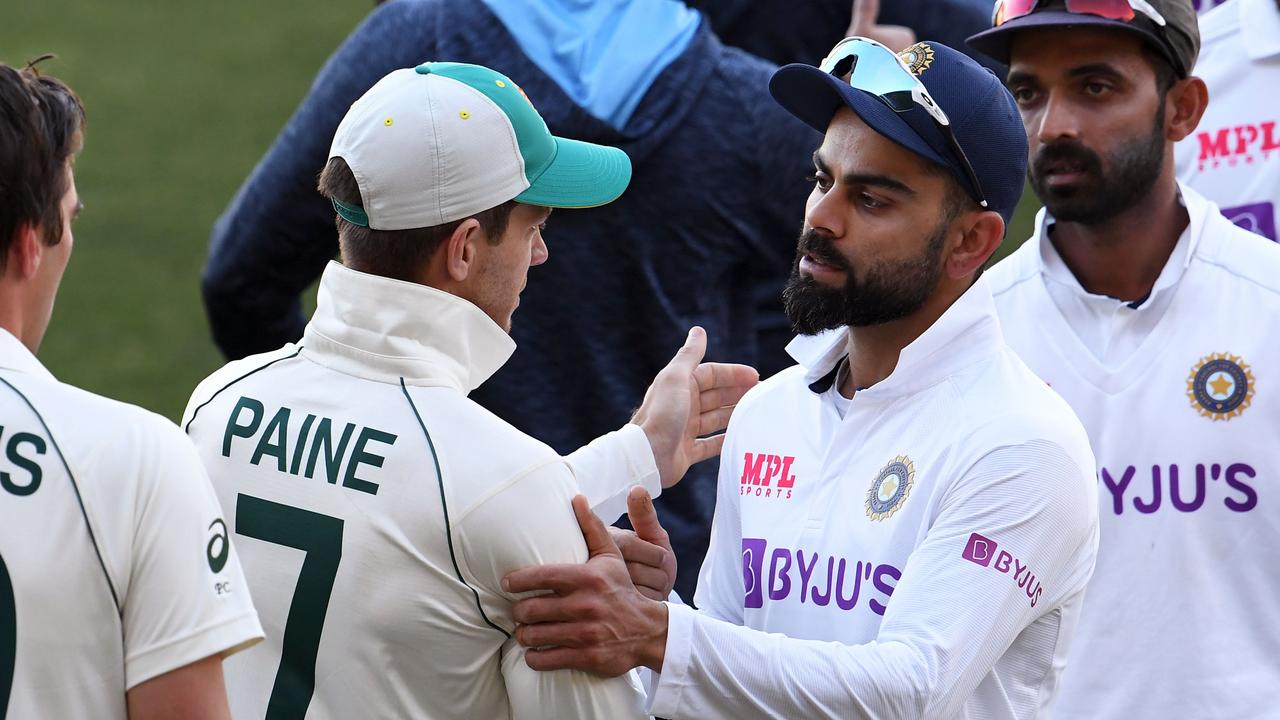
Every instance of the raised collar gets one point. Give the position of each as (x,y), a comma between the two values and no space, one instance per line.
(15,356)
(1259,29)
(1055,269)
(384,330)
(966,333)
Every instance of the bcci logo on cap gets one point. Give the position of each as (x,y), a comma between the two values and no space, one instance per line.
(1220,386)
(917,58)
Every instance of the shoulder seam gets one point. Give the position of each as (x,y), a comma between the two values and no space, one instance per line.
(444,506)
(79,500)
(187,428)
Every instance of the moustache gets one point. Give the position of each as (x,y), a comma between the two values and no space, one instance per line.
(1068,154)
(820,248)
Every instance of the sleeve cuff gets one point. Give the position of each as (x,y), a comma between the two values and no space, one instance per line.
(224,639)
(665,694)
(608,466)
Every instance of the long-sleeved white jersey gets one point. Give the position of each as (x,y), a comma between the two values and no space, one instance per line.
(377,509)
(918,552)
(1178,398)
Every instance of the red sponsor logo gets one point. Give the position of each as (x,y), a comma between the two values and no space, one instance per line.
(765,475)
(1240,143)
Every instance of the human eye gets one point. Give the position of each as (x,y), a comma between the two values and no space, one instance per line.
(820,179)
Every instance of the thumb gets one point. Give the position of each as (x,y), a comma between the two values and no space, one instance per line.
(593,531)
(695,346)
(644,516)
(865,13)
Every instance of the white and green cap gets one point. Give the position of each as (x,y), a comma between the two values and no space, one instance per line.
(444,141)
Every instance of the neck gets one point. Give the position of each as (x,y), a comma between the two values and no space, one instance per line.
(1122,257)
(15,321)
(874,349)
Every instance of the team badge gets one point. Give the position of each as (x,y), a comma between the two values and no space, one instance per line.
(891,488)
(917,58)
(1220,386)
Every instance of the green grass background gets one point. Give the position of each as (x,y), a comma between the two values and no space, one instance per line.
(183,99)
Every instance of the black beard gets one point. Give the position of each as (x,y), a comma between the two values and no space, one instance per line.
(1135,168)
(890,290)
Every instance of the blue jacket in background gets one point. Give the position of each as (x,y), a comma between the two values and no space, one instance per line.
(715,204)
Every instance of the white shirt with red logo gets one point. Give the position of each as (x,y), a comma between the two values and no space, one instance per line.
(923,556)
(1233,157)
(1181,615)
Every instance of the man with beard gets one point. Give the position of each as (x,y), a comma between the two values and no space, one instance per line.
(906,520)
(1141,305)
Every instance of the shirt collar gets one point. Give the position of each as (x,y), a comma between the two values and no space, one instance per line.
(1055,269)
(384,330)
(967,332)
(15,356)
(1259,28)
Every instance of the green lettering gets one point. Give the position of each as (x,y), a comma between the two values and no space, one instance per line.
(302,444)
(279,427)
(359,457)
(235,429)
(26,463)
(332,456)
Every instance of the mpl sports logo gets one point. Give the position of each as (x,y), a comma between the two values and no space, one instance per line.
(981,550)
(1239,144)
(769,476)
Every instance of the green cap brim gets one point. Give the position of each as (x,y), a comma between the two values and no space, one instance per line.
(581,175)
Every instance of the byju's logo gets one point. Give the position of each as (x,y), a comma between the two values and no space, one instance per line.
(817,579)
(982,550)
(760,471)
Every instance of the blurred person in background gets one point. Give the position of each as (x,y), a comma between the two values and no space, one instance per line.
(1233,158)
(717,185)
(1153,316)
(120,592)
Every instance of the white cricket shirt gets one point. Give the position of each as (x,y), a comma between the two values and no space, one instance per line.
(1181,617)
(377,509)
(1233,157)
(115,563)
(922,557)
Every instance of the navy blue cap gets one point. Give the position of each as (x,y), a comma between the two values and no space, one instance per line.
(983,116)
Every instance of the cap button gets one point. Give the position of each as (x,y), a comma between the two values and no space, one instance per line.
(423,69)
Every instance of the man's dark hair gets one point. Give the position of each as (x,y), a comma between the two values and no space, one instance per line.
(396,254)
(41,127)
(1166,74)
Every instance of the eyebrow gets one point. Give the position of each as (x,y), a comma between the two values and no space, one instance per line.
(872,179)
(1101,68)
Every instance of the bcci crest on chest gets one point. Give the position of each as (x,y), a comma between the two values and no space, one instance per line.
(891,487)
(1220,386)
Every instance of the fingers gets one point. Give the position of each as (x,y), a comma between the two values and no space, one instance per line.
(593,531)
(704,448)
(546,609)
(644,552)
(561,579)
(687,358)
(648,580)
(732,377)
(714,421)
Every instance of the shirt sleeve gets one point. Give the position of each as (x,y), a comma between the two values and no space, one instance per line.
(950,620)
(274,239)
(531,522)
(721,581)
(186,597)
(607,468)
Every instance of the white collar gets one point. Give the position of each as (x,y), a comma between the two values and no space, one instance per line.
(384,330)
(1055,269)
(16,356)
(1259,29)
(967,332)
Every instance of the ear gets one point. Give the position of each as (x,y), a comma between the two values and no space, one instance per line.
(460,250)
(981,234)
(25,252)
(1185,105)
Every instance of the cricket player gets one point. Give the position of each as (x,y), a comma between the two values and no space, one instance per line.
(120,589)
(906,520)
(1233,157)
(1153,316)
(378,507)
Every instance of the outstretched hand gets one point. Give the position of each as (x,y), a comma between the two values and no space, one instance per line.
(594,619)
(688,401)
